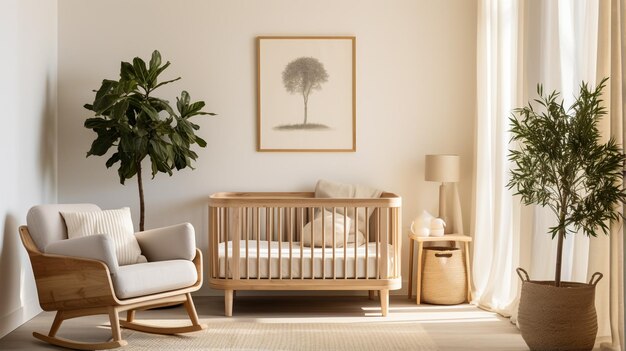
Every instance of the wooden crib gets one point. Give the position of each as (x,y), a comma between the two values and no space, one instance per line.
(258,241)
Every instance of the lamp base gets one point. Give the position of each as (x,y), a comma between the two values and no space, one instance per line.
(454,218)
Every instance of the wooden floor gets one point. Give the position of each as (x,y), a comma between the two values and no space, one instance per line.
(460,327)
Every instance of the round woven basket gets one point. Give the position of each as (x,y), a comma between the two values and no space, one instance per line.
(558,318)
(443,278)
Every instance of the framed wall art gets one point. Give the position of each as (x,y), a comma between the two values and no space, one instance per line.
(306,94)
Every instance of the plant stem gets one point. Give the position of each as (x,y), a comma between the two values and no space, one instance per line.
(142,208)
(559,256)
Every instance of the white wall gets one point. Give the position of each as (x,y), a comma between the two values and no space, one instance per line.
(415,95)
(28,83)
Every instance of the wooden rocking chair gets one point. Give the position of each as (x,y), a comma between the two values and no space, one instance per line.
(83,286)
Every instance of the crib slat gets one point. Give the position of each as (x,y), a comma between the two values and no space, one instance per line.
(312,243)
(301,245)
(334,246)
(280,244)
(212,234)
(227,239)
(378,243)
(323,243)
(236,242)
(290,231)
(385,246)
(268,236)
(257,224)
(247,234)
(222,236)
(345,244)
(397,226)
(367,242)
(356,241)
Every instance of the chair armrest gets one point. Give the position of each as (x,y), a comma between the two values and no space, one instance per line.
(96,247)
(168,243)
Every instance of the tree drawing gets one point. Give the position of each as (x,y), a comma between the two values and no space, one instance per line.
(301,76)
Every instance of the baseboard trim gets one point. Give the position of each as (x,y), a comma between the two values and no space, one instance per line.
(15,319)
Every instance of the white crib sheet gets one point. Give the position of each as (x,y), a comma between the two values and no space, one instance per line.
(279,257)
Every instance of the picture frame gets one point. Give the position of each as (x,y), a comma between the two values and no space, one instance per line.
(306,93)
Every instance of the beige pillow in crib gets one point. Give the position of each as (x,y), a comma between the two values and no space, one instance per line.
(329,189)
(338,228)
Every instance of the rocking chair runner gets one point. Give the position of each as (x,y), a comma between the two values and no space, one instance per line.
(83,286)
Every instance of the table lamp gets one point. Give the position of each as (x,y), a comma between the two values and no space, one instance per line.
(443,169)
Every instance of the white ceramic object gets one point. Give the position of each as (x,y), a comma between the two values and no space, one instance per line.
(421,224)
(418,230)
(437,227)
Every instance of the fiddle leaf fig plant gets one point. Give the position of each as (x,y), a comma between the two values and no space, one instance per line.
(561,163)
(136,124)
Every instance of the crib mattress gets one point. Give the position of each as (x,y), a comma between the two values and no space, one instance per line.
(271,260)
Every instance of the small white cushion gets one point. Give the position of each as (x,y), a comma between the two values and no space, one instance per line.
(338,228)
(117,224)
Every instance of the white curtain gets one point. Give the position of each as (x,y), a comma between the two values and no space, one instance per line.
(558,44)
(611,64)
(496,221)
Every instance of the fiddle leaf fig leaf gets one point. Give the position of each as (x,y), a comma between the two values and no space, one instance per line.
(104,141)
(113,159)
(166,82)
(127,72)
(155,61)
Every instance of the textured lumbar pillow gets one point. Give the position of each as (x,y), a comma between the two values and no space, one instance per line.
(117,224)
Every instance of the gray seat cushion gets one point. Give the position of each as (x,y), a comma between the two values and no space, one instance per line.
(153,277)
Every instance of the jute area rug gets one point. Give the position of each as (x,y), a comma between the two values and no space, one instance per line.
(260,335)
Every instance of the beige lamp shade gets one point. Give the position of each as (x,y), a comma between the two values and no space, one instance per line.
(443,168)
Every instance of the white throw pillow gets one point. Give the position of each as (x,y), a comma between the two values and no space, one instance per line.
(117,224)
(338,228)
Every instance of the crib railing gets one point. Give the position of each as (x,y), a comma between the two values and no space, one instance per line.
(242,224)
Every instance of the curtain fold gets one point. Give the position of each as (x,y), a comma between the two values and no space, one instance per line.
(610,64)
(559,44)
(500,87)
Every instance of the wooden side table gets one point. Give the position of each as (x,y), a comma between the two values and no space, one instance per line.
(452,238)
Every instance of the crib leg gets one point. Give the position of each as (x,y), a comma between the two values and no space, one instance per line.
(372,294)
(384,301)
(228,303)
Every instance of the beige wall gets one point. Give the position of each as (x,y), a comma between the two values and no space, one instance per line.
(28,82)
(415,95)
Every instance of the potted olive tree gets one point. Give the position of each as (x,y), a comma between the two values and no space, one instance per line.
(559,162)
(130,119)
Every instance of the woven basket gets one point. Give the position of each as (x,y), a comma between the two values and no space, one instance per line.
(443,277)
(558,318)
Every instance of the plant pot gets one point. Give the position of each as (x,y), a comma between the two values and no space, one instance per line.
(558,318)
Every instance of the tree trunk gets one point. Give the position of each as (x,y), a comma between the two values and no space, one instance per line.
(305,111)
(142,208)
(305,97)
(561,234)
(559,257)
